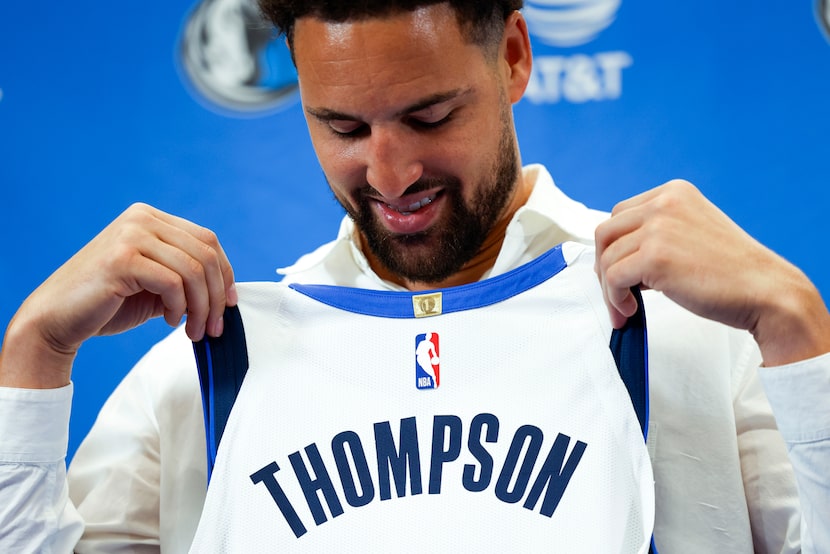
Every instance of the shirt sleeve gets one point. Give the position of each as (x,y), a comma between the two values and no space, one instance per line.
(139,478)
(769,484)
(35,512)
(800,398)
(119,459)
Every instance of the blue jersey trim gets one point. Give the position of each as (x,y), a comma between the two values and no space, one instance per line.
(398,304)
(210,415)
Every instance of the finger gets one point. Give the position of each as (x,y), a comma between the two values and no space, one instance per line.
(175,298)
(618,271)
(206,262)
(619,301)
(208,237)
(622,305)
(619,225)
(202,302)
(675,187)
(617,318)
(635,201)
(620,277)
(170,271)
(615,243)
(163,282)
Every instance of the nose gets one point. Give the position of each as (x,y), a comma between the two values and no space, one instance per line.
(392,163)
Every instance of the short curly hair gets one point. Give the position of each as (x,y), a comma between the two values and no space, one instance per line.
(482,22)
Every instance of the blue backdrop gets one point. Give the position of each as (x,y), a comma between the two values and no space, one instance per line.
(174,104)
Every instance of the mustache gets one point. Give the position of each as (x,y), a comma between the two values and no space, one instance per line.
(421,185)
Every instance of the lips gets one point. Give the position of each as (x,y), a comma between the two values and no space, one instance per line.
(409,215)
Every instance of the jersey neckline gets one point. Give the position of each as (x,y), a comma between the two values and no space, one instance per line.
(399,304)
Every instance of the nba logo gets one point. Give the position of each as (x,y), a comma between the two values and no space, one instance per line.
(427,364)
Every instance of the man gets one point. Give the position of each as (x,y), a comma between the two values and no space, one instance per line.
(409,112)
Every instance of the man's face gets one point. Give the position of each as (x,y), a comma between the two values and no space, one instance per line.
(413,130)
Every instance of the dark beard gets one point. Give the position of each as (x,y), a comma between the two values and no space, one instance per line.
(442,250)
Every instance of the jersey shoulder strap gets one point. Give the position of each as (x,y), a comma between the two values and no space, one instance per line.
(629,345)
(223,361)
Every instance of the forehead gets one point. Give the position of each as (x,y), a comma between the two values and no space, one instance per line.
(383,59)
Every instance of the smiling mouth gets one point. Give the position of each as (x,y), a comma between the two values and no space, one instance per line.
(414,207)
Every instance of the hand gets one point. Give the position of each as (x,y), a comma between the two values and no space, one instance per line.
(145,264)
(674,240)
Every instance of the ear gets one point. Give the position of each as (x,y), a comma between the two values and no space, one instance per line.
(516,53)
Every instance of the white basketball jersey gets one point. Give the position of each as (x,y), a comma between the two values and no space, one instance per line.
(483,418)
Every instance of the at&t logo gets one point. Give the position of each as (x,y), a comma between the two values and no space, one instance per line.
(576,77)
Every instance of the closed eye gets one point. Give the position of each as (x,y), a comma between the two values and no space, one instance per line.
(431,116)
(352,129)
(428,113)
(347,127)
(430,124)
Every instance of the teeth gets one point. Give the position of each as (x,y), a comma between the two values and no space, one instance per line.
(407,210)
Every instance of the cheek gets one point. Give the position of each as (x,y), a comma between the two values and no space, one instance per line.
(454,154)
(470,159)
(340,163)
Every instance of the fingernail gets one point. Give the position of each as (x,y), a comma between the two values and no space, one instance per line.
(219,327)
(196,335)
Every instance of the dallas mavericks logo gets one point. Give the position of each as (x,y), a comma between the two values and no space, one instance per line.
(569,22)
(233,59)
(427,362)
(823,15)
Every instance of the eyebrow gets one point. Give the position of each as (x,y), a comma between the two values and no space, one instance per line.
(326,114)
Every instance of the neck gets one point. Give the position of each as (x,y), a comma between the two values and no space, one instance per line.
(474,269)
